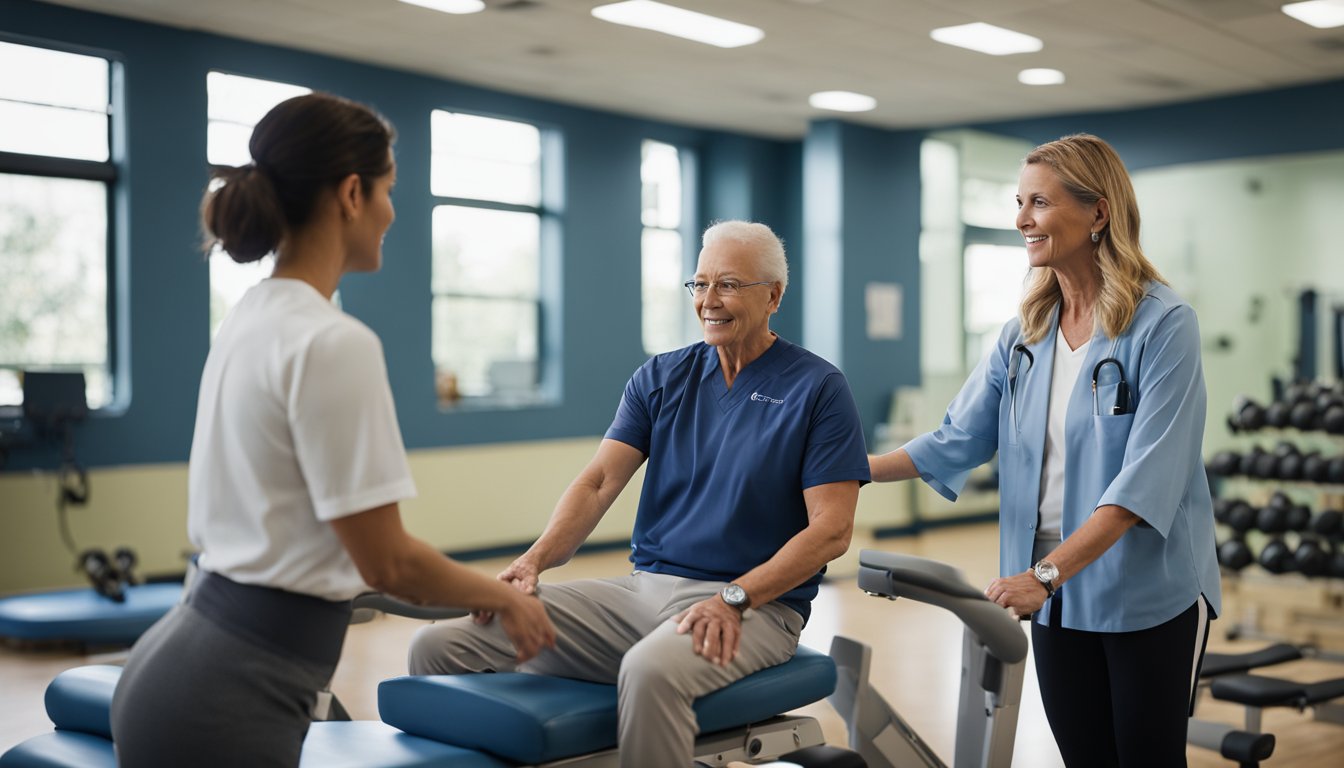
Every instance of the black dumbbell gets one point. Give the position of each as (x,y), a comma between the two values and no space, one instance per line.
(1281,514)
(1289,462)
(1303,416)
(1311,558)
(1327,522)
(1246,466)
(126,561)
(1276,557)
(1297,392)
(1315,467)
(1241,517)
(1334,472)
(1332,419)
(1234,555)
(1247,415)
(1272,519)
(1225,463)
(1298,518)
(102,574)
(1277,413)
(1266,465)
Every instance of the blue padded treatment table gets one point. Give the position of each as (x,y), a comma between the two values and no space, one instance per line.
(85,616)
(530,717)
(536,719)
(79,703)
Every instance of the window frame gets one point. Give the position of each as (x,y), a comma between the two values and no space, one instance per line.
(545,389)
(110,173)
(686,168)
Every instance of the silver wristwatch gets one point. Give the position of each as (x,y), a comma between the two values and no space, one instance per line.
(735,596)
(1046,572)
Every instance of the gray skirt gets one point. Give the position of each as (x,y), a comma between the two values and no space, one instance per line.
(227,678)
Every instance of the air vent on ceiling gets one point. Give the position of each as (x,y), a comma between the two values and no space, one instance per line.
(514,5)
(1331,44)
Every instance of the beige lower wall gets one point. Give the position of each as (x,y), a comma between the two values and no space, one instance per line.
(469,498)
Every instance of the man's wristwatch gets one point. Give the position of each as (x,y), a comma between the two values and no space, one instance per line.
(1046,572)
(735,596)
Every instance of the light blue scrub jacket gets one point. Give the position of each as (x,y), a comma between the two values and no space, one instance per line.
(1147,460)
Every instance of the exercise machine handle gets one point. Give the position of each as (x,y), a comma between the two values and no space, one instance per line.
(893,575)
(387,604)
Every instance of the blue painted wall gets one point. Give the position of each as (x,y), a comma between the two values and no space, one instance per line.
(862,222)
(591,284)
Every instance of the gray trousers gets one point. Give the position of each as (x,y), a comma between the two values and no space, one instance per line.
(619,630)
(195,693)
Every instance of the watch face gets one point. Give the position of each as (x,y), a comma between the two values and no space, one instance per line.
(1046,571)
(734,595)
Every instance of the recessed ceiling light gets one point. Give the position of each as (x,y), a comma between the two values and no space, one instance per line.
(842,101)
(1322,14)
(679,22)
(1040,76)
(987,38)
(449,6)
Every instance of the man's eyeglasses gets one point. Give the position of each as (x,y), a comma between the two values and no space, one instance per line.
(721,287)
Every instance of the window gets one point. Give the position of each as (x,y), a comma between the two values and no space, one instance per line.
(486,182)
(56,175)
(994,263)
(972,260)
(992,272)
(667,316)
(236,104)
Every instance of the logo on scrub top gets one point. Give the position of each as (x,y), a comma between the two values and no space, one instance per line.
(759,398)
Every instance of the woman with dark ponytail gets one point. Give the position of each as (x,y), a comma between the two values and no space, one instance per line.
(297,466)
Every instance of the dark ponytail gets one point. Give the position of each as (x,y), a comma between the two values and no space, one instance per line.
(301,147)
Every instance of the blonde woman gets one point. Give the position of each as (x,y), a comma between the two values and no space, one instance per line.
(1094,400)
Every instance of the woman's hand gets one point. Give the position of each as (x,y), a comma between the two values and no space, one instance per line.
(527,626)
(522,574)
(1022,594)
(715,628)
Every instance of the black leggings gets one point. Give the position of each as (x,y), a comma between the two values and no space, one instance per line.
(1120,698)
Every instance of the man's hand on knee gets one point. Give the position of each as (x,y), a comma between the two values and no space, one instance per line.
(715,629)
(522,574)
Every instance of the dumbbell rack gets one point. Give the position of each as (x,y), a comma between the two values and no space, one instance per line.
(1290,528)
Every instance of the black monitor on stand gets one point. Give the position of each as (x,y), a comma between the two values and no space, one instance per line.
(53,400)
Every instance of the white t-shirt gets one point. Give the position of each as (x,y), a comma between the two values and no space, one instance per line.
(1068,364)
(295,427)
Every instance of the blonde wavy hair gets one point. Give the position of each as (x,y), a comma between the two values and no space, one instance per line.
(1091,170)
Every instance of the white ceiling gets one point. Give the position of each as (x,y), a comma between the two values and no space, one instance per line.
(1115,53)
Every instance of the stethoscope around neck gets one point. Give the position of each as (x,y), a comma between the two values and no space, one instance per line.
(1020,351)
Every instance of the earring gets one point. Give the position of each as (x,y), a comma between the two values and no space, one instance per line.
(1096,237)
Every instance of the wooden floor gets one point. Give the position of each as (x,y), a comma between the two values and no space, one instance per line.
(916,664)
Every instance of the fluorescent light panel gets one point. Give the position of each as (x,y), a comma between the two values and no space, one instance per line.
(679,22)
(987,38)
(449,6)
(1040,76)
(842,101)
(1322,14)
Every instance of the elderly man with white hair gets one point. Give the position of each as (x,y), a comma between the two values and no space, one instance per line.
(755,457)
